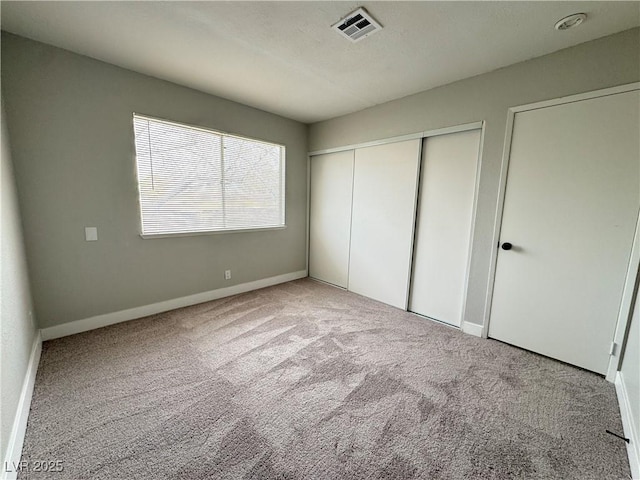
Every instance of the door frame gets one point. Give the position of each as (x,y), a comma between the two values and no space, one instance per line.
(625,310)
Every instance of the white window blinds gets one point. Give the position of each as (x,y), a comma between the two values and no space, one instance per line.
(195,180)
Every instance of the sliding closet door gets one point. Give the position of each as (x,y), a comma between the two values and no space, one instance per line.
(384,197)
(330,217)
(443,236)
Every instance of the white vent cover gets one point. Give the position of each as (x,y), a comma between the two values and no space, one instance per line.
(357,25)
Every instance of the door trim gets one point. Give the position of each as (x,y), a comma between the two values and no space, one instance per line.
(629,297)
(630,281)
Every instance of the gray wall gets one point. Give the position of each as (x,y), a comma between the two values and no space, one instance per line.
(71,127)
(602,63)
(17,328)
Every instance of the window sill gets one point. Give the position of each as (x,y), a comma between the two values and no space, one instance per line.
(211,232)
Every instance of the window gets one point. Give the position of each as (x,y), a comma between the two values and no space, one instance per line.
(196,180)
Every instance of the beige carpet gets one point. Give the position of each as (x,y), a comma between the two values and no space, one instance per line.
(305,381)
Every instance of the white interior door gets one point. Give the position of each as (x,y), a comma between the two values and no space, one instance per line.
(443,236)
(384,198)
(571,205)
(330,217)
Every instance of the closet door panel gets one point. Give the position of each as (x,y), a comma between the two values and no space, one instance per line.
(384,198)
(330,217)
(443,231)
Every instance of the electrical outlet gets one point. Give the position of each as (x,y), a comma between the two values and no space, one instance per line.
(227,274)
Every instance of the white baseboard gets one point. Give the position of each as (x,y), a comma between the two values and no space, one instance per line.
(630,431)
(472,329)
(16,440)
(99,321)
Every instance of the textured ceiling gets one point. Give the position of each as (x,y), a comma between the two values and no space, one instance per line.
(283,57)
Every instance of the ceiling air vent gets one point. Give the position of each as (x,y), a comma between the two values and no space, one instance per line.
(357,25)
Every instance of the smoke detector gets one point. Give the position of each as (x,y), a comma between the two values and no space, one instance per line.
(571,21)
(357,25)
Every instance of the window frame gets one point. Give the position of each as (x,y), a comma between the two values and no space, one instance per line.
(283,175)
